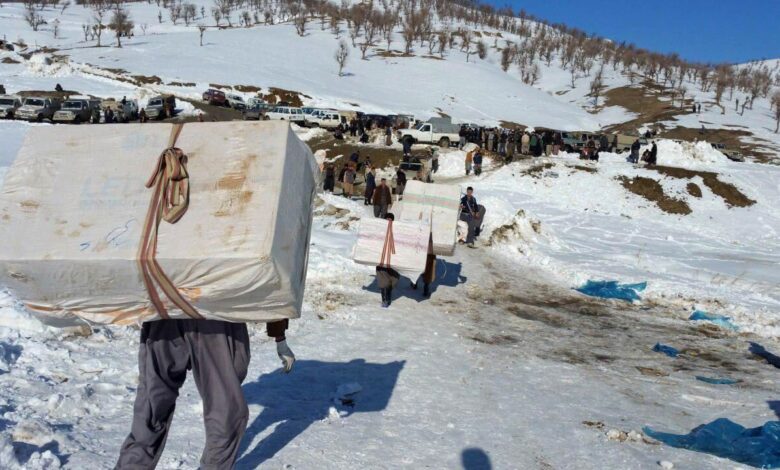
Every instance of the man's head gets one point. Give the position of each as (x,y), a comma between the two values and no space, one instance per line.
(469,191)
(389,216)
(383,182)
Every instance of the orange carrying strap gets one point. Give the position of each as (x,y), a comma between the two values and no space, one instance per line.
(389,247)
(169,202)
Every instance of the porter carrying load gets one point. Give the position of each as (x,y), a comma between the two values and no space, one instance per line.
(219,231)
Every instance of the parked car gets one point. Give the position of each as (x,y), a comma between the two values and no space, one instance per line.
(286,113)
(37,108)
(74,111)
(439,131)
(256,112)
(8,105)
(215,97)
(326,120)
(732,155)
(256,100)
(161,107)
(236,102)
(417,167)
(124,112)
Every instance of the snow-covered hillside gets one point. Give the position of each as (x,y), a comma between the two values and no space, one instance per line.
(423,84)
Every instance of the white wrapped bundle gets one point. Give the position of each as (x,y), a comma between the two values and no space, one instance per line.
(401,245)
(440,203)
(222,233)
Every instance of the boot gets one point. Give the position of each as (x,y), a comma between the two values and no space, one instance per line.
(426,290)
(385,303)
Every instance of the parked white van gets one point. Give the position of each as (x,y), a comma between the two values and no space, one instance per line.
(286,113)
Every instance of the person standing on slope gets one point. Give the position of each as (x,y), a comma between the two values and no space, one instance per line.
(370,186)
(217,352)
(477,163)
(652,158)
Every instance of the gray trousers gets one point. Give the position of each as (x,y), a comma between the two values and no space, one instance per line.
(217,352)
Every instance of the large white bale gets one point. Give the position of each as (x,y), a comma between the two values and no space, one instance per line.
(409,241)
(74,202)
(440,203)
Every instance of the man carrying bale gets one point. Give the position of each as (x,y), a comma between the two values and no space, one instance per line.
(387,277)
(217,352)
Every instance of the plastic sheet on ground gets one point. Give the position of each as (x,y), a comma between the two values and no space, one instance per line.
(719,320)
(759,447)
(668,350)
(717,380)
(613,290)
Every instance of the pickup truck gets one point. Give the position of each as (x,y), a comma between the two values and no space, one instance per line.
(37,109)
(74,111)
(8,106)
(161,107)
(429,133)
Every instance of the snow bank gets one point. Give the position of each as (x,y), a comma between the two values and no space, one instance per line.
(688,154)
(452,163)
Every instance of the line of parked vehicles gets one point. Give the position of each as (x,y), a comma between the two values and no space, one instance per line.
(77,109)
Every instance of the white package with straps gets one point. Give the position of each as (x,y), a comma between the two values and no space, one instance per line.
(401,245)
(441,204)
(219,231)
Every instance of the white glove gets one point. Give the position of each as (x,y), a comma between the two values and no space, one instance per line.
(286,355)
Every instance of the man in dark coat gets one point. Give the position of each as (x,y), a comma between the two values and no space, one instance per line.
(370,186)
(478,163)
(382,199)
(330,177)
(400,183)
(469,213)
(652,159)
(634,157)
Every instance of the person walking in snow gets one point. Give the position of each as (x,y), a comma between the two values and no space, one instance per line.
(634,156)
(382,199)
(469,162)
(469,213)
(387,277)
(329,182)
(348,185)
(217,352)
(434,159)
(477,163)
(388,136)
(400,183)
(368,193)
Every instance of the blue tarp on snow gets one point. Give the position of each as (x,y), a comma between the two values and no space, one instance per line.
(613,290)
(668,350)
(759,447)
(717,381)
(721,321)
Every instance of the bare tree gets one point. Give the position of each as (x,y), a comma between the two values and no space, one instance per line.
(63,6)
(596,85)
(31,15)
(341,56)
(188,13)
(300,23)
(216,14)
(369,35)
(97,28)
(121,24)
(174,11)
(506,58)
(86,28)
(682,91)
(56,28)
(776,105)
(144,27)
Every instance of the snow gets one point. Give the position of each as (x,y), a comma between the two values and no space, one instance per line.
(505,363)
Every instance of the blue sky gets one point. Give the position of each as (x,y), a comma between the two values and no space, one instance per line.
(698,30)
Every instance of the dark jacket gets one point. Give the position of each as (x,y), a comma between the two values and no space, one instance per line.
(401,177)
(382,196)
(478,158)
(469,206)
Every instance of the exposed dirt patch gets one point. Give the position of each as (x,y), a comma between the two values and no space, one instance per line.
(652,190)
(512,125)
(8,60)
(587,169)
(247,88)
(145,80)
(644,101)
(694,190)
(730,193)
(278,95)
(380,156)
(56,95)
(181,84)
(432,57)
(392,53)
(537,170)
